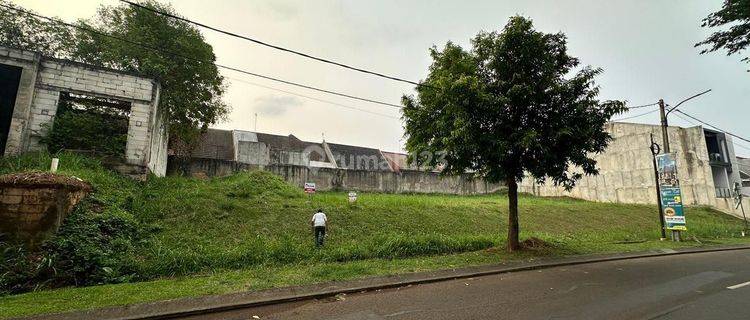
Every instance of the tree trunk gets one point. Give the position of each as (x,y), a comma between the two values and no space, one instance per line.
(513,243)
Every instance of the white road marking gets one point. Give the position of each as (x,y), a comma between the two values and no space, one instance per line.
(737,286)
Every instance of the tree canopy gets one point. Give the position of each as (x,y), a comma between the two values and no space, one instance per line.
(22,31)
(511,105)
(736,14)
(192,89)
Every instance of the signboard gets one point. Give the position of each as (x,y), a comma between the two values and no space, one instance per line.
(309,187)
(671,195)
(352,197)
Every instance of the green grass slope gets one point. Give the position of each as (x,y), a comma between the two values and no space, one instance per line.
(255,225)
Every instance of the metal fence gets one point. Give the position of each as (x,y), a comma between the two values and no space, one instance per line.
(724,193)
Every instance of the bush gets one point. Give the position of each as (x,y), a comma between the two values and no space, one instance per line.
(21,271)
(260,184)
(90,248)
(87,130)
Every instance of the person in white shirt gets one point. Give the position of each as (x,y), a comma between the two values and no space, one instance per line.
(318,222)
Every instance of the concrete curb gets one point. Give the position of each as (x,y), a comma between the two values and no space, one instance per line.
(182,307)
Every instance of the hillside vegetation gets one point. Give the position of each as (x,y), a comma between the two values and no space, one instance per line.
(131,231)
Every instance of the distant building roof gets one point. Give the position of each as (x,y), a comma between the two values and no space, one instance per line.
(215,144)
(361,158)
(220,144)
(398,161)
(288,143)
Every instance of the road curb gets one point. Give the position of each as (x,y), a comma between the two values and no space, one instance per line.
(182,307)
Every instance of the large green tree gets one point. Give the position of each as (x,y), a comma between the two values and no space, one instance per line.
(29,33)
(192,88)
(736,15)
(513,105)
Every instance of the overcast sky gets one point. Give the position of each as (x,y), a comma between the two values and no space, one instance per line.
(645,48)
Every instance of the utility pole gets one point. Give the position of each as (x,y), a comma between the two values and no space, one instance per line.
(665,139)
(665,135)
(739,197)
(655,150)
(664,125)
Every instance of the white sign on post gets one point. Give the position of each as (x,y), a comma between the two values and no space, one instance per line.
(309,187)
(352,197)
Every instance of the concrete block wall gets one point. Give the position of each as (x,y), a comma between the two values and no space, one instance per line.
(382,181)
(344,179)
(44,79)
(253,152)
(627,172)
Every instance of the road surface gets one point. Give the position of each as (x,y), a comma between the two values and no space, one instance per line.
(695,286)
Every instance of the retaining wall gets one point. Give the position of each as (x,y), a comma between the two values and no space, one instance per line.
(345,179)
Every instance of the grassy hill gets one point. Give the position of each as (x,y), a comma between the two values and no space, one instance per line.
(254,223)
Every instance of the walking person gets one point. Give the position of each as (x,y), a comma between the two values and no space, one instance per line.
(318,222)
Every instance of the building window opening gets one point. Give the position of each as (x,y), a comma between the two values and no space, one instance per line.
(89,124)
(716,145)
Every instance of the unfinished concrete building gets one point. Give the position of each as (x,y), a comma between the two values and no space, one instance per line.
(32,87)
(707,168)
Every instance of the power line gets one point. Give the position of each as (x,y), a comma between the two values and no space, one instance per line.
(685,100)
(263,43)
(713,126)
(312,98)
(643,106)
(741,146)
(687,120)
(696,124)
(636,116)
(199,60)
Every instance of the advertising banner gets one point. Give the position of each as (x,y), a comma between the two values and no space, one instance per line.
(671,196)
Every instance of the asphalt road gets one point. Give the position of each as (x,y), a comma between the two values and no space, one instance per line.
(693,286)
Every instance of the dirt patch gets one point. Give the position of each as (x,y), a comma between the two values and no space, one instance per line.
(535,243)
(43,179)
(495,250)
(529,244)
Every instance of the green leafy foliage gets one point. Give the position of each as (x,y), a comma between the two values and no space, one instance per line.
(512,105)
(90,248)
(97,241)
(29,33)
(736,15)
(95,247)
(191,88)
(89,129)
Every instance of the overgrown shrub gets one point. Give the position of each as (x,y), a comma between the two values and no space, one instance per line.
(260,184)
(95,242)
(90,129)
(91,247)
(21,271)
